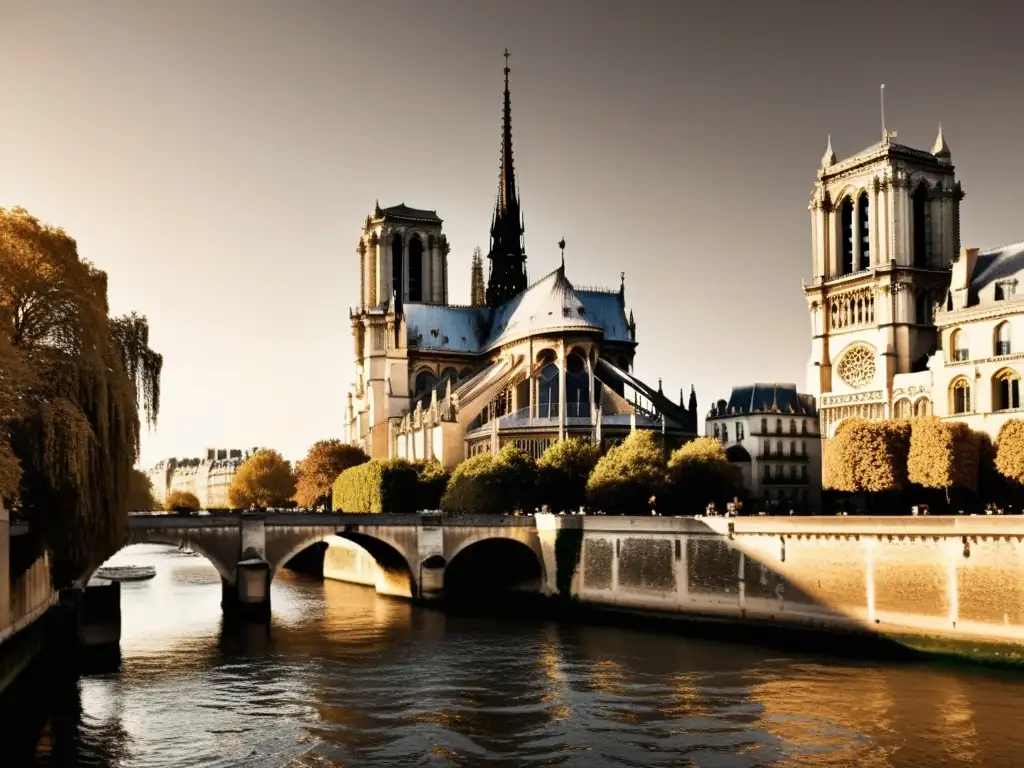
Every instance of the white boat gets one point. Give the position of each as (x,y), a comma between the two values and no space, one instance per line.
(126,572)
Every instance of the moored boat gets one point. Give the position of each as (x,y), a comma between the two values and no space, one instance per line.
(126,572)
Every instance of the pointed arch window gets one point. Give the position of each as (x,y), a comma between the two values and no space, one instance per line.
(1006,392)
(415,269)
(960,396)
(425,381)
(847,234)
(764,426)
(864,227)
(920,203)
(1002,338)
(922,407)
(902,409)
(958,347)
(396,266)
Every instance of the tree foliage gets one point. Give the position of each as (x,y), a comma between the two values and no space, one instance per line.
(867,456)
(264,480)
(488,484)
(72,379)
(628,476)
(563,470)
(140,492)
(181,501)
(700,473)
(432,480)
(315,474)
(1010,451)
(943,454)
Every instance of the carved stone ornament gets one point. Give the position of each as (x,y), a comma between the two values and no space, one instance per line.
(857,366)
(852,398)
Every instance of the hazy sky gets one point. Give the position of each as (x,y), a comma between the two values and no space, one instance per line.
(218,160)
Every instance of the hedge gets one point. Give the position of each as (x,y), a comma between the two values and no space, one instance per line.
(379,485)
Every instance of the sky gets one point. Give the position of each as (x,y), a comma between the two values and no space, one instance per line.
(218,159)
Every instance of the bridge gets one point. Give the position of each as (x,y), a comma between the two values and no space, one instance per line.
(423,556)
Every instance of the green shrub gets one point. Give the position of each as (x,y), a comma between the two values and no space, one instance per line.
(431,481)
(563,472)
(628,476)
(699,473)
(380,485)
(492,485)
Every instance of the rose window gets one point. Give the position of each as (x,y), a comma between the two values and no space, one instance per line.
(857,367)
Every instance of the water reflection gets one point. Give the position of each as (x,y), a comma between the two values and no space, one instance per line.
(367,681)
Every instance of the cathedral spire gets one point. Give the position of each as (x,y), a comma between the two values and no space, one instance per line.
(507,257)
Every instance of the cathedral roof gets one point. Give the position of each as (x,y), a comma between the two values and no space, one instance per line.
(551,304)
(995,266)
(781,399)
(403,211)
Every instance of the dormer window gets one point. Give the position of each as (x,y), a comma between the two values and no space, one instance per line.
(1005,289)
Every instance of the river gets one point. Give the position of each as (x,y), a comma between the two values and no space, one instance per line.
(361,680)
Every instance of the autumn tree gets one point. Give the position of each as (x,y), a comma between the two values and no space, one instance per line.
(140,492)
(628,476)
(182,501)
(943,455)
(563,471)
(867,456)
(700,473)
(492,484)
(315,474)
(1010,452)
(264,480)
(72,381)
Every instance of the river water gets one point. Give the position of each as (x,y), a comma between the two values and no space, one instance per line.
(359,680)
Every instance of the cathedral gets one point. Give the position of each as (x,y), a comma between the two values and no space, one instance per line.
(905,322)
(523,363)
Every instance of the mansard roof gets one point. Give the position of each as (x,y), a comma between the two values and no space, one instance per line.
(996,266)
(775,399)
(551,304)
(404,212)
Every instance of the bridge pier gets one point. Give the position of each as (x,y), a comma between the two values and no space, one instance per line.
(249,596)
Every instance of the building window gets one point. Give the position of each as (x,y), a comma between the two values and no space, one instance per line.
(716,432)
(922,407)
(1003,339)
(803,447)
(1005,289)
(958,344)
(792,447)
(764,426)
(792,426)
(803,427)
(920,202)
(778,426)
(1006,392)
(415,269)
(846,220)
(767,471)
(725,433)
(766,448)
(902,410)
(865,231)
(778,448)
(961,396)
(739,430)
(803,472)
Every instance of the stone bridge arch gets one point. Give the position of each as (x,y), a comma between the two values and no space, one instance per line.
(485,559)
(219,548)
(394,548)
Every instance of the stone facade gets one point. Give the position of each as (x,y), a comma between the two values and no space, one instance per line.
(903,321)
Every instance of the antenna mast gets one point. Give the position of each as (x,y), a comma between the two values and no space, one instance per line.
(885,133)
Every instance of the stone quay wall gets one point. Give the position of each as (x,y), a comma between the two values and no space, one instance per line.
(944,578)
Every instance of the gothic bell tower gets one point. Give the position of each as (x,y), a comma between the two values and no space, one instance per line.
(885,230)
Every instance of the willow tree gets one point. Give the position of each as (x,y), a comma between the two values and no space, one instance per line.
(72,379)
